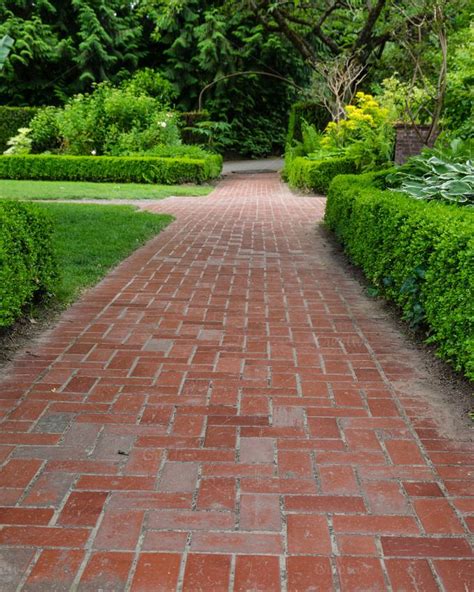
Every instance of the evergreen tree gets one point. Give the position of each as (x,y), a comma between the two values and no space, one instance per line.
(61,47)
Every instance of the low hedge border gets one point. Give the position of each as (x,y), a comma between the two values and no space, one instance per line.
(127,169)
(12,118)
(28,268)
(316,175)
(418,254)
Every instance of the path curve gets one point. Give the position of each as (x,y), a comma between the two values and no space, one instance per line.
(227,411)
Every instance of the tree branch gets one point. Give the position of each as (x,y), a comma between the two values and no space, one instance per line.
(364,37)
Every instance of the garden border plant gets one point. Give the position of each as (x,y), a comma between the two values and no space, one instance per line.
(418,254)
(316,175)
(127,169)
(28,266)
(362,140)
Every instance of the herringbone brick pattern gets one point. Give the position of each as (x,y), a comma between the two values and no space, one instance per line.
(227,411)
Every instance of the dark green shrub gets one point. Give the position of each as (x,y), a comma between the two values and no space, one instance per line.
(125,169)
(11,119)
(187,123)
(313,113)
(418,254)
(316,175)
(27,261)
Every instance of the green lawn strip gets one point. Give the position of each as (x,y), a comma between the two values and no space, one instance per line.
(81,190)
(91,239)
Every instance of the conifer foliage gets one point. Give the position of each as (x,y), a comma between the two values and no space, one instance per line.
(62,46)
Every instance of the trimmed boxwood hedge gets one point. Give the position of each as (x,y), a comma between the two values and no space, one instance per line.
(316,175)
(127,169)
(28,268)
(12,118)
(418,254)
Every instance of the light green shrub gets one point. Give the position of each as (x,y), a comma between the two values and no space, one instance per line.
(140,169)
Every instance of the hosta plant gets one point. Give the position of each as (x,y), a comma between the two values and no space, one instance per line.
(429,177)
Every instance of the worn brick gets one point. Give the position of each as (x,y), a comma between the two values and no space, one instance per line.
(260,512)
(306,574)
(207,572)
(257,573)
(112,535)
(106,571)
(156,572)
(55,570)
(360,573)
(82,508)
(411,574)
(308,534)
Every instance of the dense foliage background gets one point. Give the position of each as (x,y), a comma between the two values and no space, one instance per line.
(62,47)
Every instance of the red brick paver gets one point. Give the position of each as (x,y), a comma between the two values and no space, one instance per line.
(227,411)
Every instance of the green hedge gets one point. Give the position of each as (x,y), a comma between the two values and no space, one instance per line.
(418,254)
(12,118)
(316,175)
(110,168)
(312,113)
(27,260)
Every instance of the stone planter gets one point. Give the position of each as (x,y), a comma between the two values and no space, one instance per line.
(410,140)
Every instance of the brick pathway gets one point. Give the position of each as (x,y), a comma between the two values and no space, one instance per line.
(227,411)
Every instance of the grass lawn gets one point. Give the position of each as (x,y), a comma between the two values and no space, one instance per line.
(78,190)
(90,239)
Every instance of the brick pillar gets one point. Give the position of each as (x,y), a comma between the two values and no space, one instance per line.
(410,141)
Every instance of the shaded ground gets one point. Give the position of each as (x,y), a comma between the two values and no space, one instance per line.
(227,410)
(265,165)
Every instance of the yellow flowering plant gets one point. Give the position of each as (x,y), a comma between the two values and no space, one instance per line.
(365,134)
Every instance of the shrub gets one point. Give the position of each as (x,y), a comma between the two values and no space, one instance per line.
(179,151)
(418,254)
(11,119)
(116,122)
(365,135)
(309,112)
(108,168)
(316,175)
(27,262)
(20,143)
(149,82)
(161,131)
(407,103)
(458,111)
(45,132)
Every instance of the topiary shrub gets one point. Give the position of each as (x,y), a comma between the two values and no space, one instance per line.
(418,254)
(28,268)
